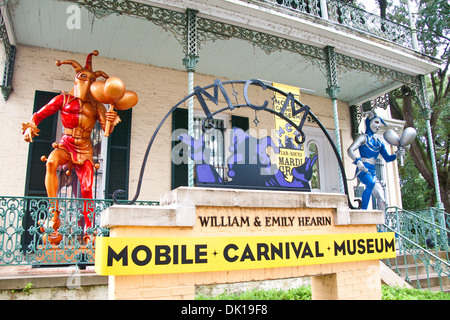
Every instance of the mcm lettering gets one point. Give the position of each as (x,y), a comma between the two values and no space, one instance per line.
(290,99)
(201,93)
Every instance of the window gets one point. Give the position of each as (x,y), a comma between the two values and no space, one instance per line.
(212,141)
(325,176)
(313,151)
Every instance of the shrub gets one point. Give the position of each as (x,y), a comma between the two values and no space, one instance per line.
(304,293)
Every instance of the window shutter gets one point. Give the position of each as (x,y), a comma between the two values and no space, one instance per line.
(118,158)
(41,146)
(240,122)
(179,171)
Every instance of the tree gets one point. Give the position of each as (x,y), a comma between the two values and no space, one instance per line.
(383,5)
(433,32)
(415,191)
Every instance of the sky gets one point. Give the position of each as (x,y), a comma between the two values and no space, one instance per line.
(372,5)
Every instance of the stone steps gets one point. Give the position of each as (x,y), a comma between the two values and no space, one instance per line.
(417,271)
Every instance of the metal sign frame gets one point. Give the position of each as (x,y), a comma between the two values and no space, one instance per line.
(201,93)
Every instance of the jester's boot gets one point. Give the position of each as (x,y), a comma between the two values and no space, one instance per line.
(89,238)
(52,222)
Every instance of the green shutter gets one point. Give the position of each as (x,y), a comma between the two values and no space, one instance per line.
(41,146)
(118,159)
(239,122)
(179,171)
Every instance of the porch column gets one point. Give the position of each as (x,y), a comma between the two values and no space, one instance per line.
(9,44)
(324,9)
(412,25)
(190,62)
(426,112)
(333,90)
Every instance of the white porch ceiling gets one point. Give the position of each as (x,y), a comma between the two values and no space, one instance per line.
(43,23)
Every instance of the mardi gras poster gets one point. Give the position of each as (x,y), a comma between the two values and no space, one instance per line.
(291,154)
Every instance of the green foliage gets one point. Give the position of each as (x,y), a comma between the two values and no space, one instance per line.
(416,193)
(26,290)
(304,293)
(433,26)
(301,293)
(433,33)
(395,293)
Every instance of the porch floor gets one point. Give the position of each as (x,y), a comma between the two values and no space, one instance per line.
(18,277)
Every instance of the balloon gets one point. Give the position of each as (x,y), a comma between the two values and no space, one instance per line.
(98,91)
(114,89)
(391,137)
(128,100)
(408,136)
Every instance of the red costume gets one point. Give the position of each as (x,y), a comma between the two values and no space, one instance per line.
(78,118)
(79,113)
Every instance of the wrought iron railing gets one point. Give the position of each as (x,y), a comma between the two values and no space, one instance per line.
(24,227)
(359,19)
(353,17)
(423,246)
(305,6)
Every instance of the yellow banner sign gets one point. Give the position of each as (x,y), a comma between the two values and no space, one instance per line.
(291,154)
(127,256)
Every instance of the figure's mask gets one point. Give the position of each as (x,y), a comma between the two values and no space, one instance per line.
(373,123)
(84,76)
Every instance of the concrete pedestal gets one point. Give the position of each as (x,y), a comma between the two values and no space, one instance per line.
(218,213)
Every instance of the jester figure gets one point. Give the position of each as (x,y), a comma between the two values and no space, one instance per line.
(79,113)
(364,151)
